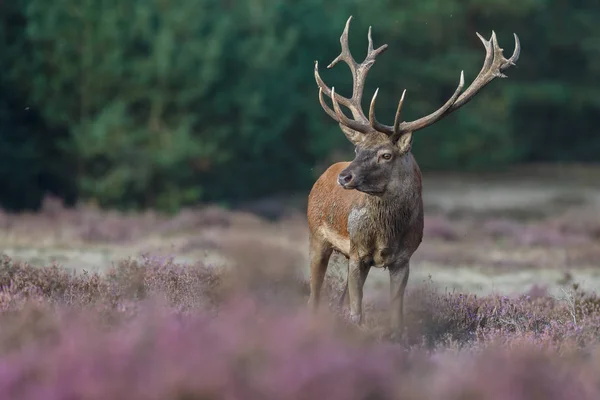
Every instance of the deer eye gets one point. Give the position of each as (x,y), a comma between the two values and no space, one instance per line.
(386,156)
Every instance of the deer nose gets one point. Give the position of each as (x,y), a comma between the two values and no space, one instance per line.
(345,178)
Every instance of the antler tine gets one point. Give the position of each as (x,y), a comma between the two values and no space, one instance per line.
(495,63)
(398,111)
(370,39)
(378,126)
(322,86)
(345,54)
(328,110)
(372,120)
(489,54)
(434,116)
(359,74)
(493,66)
(517,52)
(342,119)
(400,128)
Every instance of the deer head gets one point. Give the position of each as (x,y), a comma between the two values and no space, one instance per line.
(381,149)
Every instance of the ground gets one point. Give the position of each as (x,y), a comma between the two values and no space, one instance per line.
(497,232)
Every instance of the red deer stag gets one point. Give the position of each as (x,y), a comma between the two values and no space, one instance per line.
(380,222)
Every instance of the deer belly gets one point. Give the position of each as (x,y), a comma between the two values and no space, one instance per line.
(339,242)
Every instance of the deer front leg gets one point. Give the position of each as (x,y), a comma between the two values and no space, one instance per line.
(357,275)
(398,280)
(319,253)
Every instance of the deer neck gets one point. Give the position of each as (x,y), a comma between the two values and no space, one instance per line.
(401,203)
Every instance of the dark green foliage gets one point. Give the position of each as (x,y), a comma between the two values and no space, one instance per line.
(164,104)
(30,162)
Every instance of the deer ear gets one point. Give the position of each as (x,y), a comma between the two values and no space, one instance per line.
(405,142)
(352,135)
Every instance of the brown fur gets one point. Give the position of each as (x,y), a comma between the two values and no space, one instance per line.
(382,230)
(330,204)
(371,209)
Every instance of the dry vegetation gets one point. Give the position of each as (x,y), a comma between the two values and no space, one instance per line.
(211,304)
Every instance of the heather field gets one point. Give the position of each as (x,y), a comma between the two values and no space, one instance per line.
(210,303)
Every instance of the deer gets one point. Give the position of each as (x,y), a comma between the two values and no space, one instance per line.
(371,209)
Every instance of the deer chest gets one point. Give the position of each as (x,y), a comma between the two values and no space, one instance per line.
(376,244)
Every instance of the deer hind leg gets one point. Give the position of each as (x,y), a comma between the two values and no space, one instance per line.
(344,299)
(319,253)
(398,280)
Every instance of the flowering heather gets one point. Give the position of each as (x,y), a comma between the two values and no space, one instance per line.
(153,329)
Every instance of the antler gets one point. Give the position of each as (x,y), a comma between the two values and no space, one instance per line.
(493,66)
(360,122)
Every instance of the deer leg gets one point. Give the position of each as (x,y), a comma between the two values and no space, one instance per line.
(320,251)
(357,275)
(398,280)
(344,297)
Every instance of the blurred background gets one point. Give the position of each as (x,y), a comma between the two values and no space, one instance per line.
(164,104)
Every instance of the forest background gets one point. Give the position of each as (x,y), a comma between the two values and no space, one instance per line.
(163,104)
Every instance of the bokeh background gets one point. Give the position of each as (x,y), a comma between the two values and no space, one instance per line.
(163,104)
